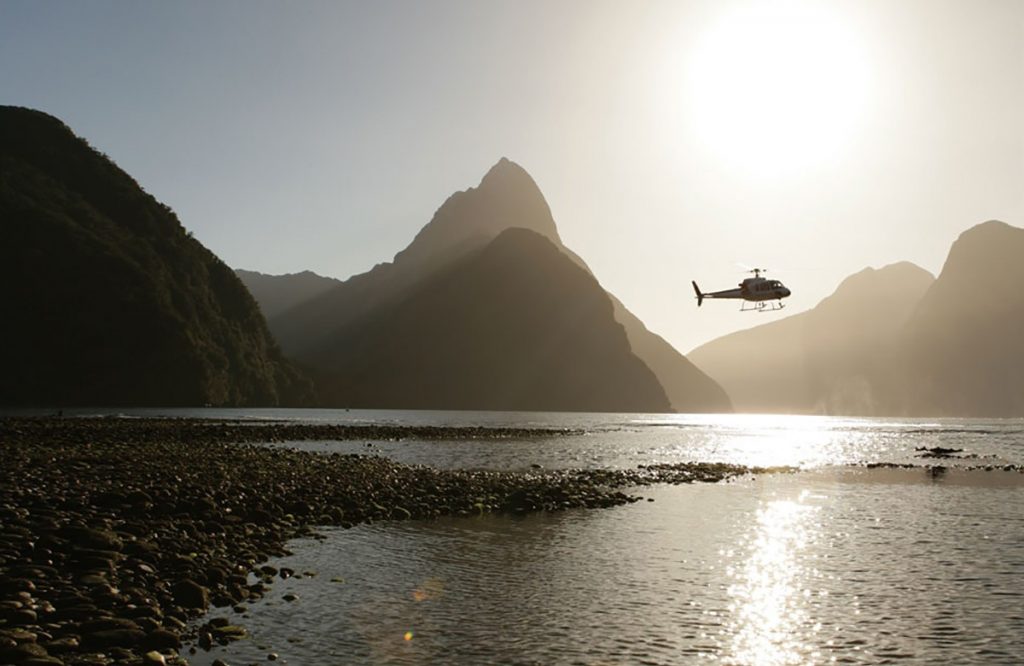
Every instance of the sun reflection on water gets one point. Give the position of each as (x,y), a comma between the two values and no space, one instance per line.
(770,597)
(769,440)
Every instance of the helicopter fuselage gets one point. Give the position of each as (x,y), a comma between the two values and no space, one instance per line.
(756,289)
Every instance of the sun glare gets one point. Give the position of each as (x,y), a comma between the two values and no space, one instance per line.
(776,88)
(770,604)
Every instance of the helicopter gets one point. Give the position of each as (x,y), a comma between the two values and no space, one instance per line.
(765,294)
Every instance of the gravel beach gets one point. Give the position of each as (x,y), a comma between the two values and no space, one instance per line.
(117,533)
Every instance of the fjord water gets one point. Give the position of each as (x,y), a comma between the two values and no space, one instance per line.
(780,570)
(627,440)
(834,563)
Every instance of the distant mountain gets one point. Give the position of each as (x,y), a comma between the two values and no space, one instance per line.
(277,294)
(515,325)
(837,358)
(762,369)
(850,340)
(964,344)
(108,300)
(507,197)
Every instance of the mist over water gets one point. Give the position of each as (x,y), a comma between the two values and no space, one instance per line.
(835,563)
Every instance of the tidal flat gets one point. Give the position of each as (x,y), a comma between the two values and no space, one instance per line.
(117,534)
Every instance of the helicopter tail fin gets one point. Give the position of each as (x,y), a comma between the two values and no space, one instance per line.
(700,296)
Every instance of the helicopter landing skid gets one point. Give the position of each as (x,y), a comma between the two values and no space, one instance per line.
(762,306)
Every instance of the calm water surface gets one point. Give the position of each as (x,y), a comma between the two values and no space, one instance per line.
(626,440)
(815,567)
(832,564)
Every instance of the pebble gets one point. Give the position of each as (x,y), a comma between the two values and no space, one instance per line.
(119,532)
(153,658)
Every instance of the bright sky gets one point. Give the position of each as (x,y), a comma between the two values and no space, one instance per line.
(672,139)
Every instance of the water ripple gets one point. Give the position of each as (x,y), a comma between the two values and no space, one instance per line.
(789,569)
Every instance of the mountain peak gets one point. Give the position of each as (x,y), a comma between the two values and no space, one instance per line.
(506,169)
(967,329)
(979,251)
(988,227)
(983,237)
(506,197)
(493,248)
(889,289)
(882,278)
(515,325)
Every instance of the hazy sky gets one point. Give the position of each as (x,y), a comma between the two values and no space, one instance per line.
(671,139)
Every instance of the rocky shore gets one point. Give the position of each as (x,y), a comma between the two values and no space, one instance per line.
(115,533)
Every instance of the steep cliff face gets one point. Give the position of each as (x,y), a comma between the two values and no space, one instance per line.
(109,300)
(506,198)
(513,326)
(689,389)
(839,358)
(963,344)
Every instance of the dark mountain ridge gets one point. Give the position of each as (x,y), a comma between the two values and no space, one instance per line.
(111,301)
(515,325)
(465,222)
(507,197)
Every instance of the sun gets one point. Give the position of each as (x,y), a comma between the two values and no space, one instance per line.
(777,88)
